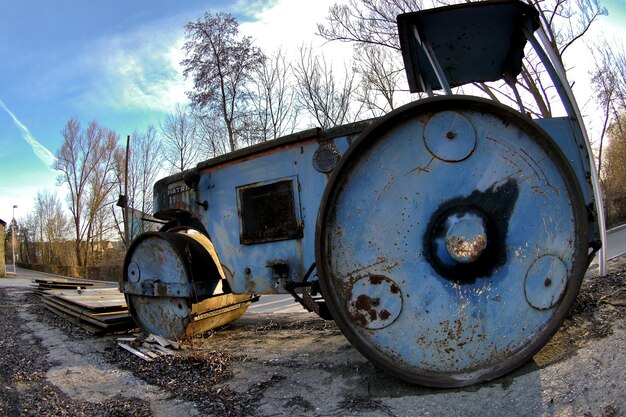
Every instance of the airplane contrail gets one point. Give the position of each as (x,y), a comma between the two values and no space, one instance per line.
(40,151)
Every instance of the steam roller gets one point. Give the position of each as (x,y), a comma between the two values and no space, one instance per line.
(447,239)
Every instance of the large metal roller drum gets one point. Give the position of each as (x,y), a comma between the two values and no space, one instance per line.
(173,285)
(451,241)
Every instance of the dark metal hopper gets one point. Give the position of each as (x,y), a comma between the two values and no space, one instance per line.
(487,46)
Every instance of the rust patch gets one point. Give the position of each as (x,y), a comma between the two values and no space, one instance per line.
(363,302)
(160,290)
(376,279)
(360,319)
(364,306)
(470,249)
(394,289)
(384,314)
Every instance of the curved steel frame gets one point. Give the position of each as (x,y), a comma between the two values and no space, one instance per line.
(557,73)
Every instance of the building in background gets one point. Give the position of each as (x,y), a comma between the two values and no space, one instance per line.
(2,263)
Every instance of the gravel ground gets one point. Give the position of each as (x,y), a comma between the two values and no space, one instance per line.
(279,365)
(24,388)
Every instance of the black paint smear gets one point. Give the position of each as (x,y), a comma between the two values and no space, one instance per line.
(494,206)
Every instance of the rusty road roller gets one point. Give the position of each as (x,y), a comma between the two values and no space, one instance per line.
(447,239)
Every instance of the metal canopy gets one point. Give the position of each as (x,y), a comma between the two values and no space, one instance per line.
(486,47)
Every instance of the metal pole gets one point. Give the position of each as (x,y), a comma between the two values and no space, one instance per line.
(13,239)
(127,222)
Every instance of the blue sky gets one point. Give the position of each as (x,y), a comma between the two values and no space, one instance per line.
(111,61)
(115,62)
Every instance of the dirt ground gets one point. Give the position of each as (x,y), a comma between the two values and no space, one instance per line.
(297,365)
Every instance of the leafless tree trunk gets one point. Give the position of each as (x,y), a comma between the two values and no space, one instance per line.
(274,97)
(180,144)
(212,135)
(609,82)
(86,161)
(381,75)
(52,224)
(614,169)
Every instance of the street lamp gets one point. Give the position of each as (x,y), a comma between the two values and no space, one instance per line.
(13,239)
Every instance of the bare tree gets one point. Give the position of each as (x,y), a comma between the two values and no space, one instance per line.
(145,158)
(180,145)
(211,134)
(327,100)
(275,97)
(382,79)
(52,226)
(614,169)
(86,163)
(367,22)
(609,82)
(221,66)
(373,22)
(26,235)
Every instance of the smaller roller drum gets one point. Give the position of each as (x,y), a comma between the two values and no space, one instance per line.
(173,286)
(451,241)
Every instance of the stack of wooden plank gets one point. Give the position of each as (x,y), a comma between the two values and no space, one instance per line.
(41,285)
(96,306)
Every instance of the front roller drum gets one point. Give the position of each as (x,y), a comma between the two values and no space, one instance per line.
(451,241)
(173,286)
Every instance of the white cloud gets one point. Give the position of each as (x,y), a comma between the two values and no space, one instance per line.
(139,70)
(290,24)
(40,151)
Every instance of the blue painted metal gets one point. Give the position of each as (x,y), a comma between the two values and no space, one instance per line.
(249,267)
(393,205)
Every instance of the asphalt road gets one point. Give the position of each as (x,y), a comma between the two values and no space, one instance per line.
(616,242)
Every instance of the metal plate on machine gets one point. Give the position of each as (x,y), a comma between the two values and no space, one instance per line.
(269,211)
(326,157)
(449,136)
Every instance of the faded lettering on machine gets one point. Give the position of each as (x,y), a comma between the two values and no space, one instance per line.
(176,189)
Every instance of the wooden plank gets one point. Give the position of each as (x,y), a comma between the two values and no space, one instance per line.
(54,287)
(111,317)
(165,350)
(82,308)
(89,328)
(84,318)
(126,339)
(134,351)
(146,349)
(73,281)
(102,302)
(89,291)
